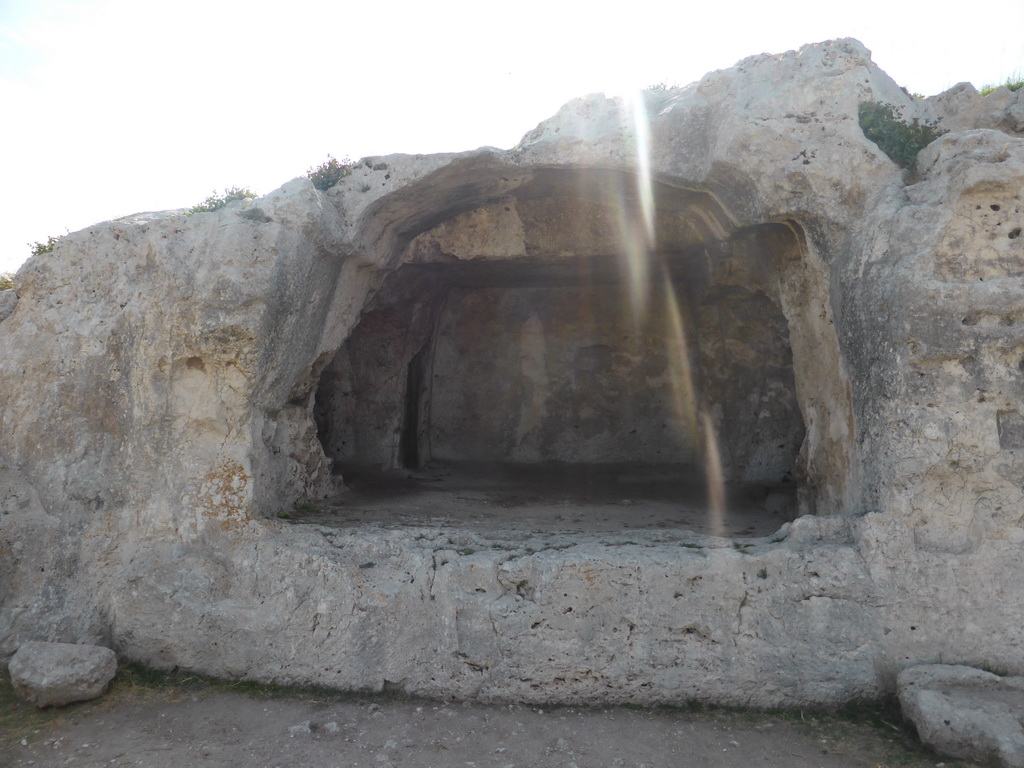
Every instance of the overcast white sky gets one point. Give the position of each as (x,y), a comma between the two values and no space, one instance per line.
(111,107)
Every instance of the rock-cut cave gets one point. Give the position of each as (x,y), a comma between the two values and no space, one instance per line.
(569,340)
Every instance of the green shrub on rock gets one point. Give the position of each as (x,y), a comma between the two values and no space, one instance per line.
(215,202)
(899,139)
(6,281)
(40,248)
(330,172)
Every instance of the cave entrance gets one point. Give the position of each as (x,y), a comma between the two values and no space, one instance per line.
(517,390)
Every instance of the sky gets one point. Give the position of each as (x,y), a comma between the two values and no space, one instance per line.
(112,107)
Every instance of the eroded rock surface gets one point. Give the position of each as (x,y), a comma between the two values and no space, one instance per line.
(741,292)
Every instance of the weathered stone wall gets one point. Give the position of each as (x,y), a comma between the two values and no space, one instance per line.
(579,375)
(165,382)
(555,374)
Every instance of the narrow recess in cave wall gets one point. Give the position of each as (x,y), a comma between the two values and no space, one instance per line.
(411,425)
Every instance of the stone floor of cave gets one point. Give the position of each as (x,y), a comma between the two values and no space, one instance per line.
(549,499)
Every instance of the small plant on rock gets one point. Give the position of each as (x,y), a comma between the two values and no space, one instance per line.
(6,281)
(899,139)
(665,86)
(215,202)
(41,248)
(329,173)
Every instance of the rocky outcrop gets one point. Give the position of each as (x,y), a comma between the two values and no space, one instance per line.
(962,108)
(800,311)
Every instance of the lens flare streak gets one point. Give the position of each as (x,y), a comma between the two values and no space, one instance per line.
(638,236)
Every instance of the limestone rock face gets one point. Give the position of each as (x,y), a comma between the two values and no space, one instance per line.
(965,712)
(726,283)
(8,300)
(962,108)
(55,674)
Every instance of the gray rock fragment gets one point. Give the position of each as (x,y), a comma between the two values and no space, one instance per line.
(302,729)
(55,674)
(965,712)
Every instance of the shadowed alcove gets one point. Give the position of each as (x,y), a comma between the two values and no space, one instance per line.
(567,345)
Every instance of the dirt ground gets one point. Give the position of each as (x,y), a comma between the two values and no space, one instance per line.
(179,723)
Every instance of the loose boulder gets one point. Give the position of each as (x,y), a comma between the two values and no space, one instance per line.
(55,674)
(965,712)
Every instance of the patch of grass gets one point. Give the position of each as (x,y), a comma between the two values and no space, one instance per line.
(869,733)
(135,675)
(138,677)
(370,564)
(899,139)
(763,573)
(882,725)
(215,202)
(307,508)
(330,172)
(466,551)
(6,281)
(19,719)
(1014,82)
